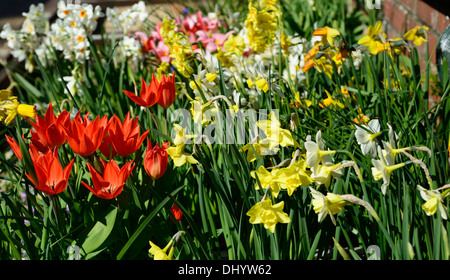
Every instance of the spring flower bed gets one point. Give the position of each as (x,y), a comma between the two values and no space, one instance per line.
(269,130)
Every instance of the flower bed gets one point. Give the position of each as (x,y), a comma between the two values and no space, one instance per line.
(265,131)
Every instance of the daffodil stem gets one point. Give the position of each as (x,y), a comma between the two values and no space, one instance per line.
(165,120)
(347,153)
(153,117)
(55,208)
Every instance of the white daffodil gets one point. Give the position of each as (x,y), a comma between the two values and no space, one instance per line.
(132,48)
(365,136)
(29,38)
(383,168)
(258,76)
(204,82)
(316,153)
(331,204)
(433,200)
(125,20)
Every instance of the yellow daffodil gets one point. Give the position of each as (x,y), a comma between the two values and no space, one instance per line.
(375,37)
(179,156)
(331,204)
(325,63)
(160,254)
(180,48)
(298,101)
(266,179)
(361,118)
(365,136)
(418,35)
(316,153)
(393,46)
(10,107)
(180,136)
(277,135)
(265,213)
(259,149)
(293,176)
(330,101)
(324,173)
(433,200)
(262,26)
(383,167)
(234,44)
(328,34)
(310,56)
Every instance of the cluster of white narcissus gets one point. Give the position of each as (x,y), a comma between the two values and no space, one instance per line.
(70,30)
(128,18)
(29,38)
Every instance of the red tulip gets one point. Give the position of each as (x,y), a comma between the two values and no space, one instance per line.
(85,136)
(48,130)
(110,184)
(155,160)
(51,178)
(176,212)
(123,137)
(148,96)
(14,146)
(166,91)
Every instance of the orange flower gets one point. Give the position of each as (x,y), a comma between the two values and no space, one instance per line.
(155,160)
(110,184)
(327,33)
(149,93)
(14,146)
(85,136)
(123,137)
(166,91)
(48,130)
(51,178)
(310,56)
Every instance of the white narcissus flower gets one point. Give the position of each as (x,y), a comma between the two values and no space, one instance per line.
(433,200)
(316,153)
(383,168)
(323,205)
(365,136)
(132,48)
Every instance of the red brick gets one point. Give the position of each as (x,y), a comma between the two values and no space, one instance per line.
(399,19)
(432,42)
(427,14)
(409,4)
(412,23)
(387,9)
(443,23)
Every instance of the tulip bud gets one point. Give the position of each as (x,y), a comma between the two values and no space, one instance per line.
(155,160)
(166,91)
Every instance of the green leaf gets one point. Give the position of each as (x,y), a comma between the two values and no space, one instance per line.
(99,232)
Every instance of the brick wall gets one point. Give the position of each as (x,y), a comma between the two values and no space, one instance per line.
(403,15)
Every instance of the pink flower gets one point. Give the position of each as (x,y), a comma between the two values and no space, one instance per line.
(148,45)
(212,42)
